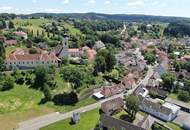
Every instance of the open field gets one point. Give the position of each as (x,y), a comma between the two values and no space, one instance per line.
(22,103)
(73,31)
(19,104)
(31,24)
(88,121)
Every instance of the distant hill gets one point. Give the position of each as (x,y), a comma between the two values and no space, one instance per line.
(123,17)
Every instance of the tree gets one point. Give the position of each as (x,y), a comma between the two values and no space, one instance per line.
(168,81)
(41,74)
(132,104)
(73,75)
(184,96)
(105,60)
(177,66)
(11,25)
(33,51)
(150,57)
(1,64)
(2,24)
(47,93)
(187,66)
(100,64)
(7,84)
(2,50)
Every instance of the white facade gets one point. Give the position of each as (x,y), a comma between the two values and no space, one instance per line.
(166,116)
(24,64)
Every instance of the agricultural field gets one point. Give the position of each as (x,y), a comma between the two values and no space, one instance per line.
(88,121)
(31,24)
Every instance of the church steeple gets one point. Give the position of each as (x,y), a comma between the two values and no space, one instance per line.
(65,39)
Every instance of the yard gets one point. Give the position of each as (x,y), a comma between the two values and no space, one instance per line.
(173,126)
(19,104)
(22,103)
(88,122)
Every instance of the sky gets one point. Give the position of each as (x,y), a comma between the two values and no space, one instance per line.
(148,7)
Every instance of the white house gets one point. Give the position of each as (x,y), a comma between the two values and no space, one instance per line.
(21,34)
(166,112)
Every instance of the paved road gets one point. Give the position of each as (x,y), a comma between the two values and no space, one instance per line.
(42,121)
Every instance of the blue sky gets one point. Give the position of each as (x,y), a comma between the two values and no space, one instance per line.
(151,7)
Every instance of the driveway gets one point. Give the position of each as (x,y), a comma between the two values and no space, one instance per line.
(182,118)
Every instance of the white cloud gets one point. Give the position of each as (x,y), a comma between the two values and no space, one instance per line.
(136,2)
(66,1)
(6,8)
(34,1)
(107,2)
(92,1)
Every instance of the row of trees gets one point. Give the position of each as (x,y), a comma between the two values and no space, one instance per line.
(179,29)
(89,26)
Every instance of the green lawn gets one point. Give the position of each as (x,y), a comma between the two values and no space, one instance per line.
(19,99)
(174,126)
(73,31)
(88,122)
(173,96)
(19,104)
(67,108)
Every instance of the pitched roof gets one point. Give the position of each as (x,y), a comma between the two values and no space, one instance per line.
(155,106)
(73,50)
(32,57)
(128,81)
(110,122)
(112,105)
(20,33)
(10,42)
(91,53)
(108,91)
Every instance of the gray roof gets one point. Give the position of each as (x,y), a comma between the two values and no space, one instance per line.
(110,122)
(112,105)
(155,106)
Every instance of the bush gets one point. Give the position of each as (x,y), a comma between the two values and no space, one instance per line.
(184,96)
(7,84)
(157,126)
(65,99)
(33,51)
(153,94)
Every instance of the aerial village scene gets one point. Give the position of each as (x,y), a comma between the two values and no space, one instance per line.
(94,71)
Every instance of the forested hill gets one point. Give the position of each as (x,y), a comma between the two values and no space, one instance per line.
(124,17)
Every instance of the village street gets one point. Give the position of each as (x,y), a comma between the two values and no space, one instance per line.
(45,120)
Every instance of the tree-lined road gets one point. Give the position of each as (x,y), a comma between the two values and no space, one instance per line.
(37,123)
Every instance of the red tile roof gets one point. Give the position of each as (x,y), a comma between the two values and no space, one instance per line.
(91,54)
(74,50)
(20,33)
(10,42)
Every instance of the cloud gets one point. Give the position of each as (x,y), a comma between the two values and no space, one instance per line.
(34,1)
(92,1)
(136,2)
(107,2)
(66,1)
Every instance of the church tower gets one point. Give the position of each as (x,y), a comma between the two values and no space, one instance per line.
(65,49)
